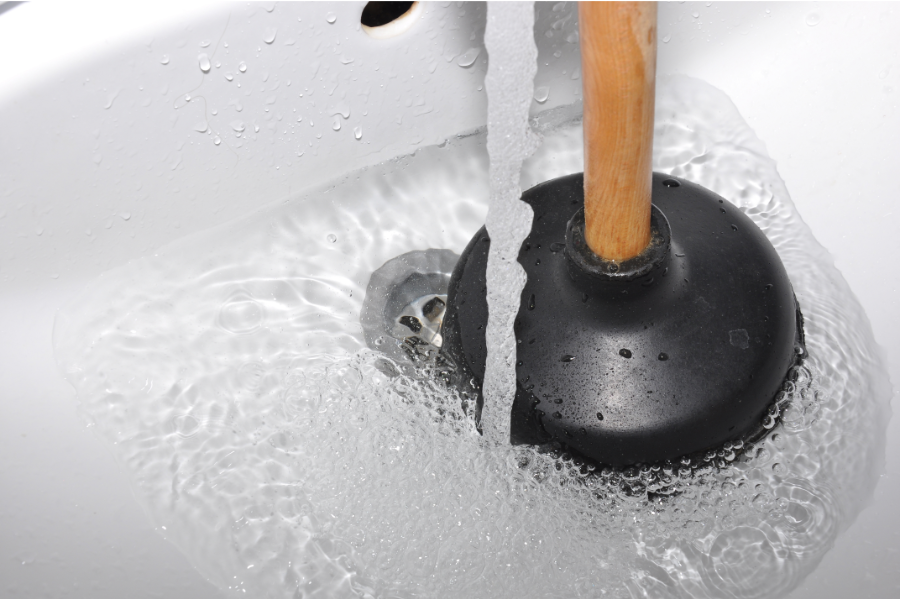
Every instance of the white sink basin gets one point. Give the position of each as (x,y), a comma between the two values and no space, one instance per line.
(109,150)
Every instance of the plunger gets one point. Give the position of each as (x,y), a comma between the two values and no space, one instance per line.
(658,321)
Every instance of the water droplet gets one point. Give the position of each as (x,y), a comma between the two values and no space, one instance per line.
(331,17)
(202,127)
(269,35)
(229,77)
(625,352)
(242,67)
(125,216)
(469,57)
(97,158)
(204,62)
(217,140)
(723,210)
(269,6)
(779,469)
(557,246)
(599,416)
(558,401)
(541,94)
(238,126)
(39,231)
(342,109)
(739,338)
(663,356)
(567,358)
(111,98)
(733,227)
(331,238)
(667,38)
(813,19)
(695,14)
(557,415)
(531,303)
(165,59)
(336,124)
(671,183)
(357,132)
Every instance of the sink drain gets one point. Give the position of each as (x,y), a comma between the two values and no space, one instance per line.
(405,302)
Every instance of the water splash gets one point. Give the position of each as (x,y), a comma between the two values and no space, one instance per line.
(509,82)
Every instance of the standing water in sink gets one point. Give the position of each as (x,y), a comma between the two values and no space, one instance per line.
(229,373)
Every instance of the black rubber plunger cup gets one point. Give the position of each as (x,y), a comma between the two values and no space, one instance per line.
(675,350)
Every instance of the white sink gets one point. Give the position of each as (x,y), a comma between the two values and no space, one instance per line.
(103,159)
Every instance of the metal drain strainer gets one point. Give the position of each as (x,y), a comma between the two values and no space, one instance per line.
(405,302)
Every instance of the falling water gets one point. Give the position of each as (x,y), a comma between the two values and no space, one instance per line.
(509,82)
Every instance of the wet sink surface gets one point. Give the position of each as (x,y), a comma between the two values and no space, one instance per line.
(71,526)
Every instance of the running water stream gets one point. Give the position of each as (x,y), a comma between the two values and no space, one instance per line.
(509,38)
(229,374)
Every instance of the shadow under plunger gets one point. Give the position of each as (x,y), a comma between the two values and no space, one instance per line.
(657,321)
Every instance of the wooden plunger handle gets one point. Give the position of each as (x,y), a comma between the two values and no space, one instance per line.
(618,64)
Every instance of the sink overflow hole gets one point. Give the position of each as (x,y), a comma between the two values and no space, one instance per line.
(377,14)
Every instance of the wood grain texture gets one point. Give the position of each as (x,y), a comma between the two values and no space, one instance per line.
(618,55)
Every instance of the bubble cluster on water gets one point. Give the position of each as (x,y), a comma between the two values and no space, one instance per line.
(229,374)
